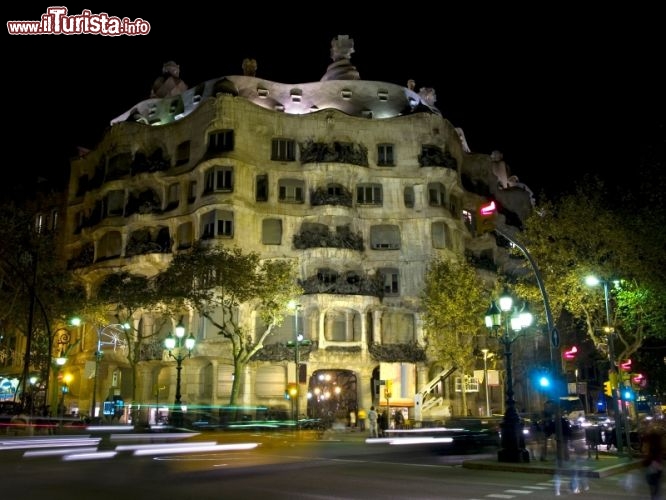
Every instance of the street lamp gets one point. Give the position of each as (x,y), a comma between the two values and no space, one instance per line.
(512,445)
(64,390)
(33,381)
(485,378)
(177,344)
(112,339)
(298,341)
(592,280)
(58,362)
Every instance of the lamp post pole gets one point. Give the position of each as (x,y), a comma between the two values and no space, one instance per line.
(512,447)
(612,371)
(177,344)
(98,358)
(485,379)
(617,406)
(297,360)
(298,341)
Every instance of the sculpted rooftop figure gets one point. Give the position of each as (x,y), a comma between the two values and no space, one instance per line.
(249,67)
(169,83)
(342,48)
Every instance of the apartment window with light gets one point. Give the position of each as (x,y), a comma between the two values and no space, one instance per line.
(291,190)
(385,155)
(283,150)
(385,237)
(219,180)
(54,219)
(40,224)
(369,194)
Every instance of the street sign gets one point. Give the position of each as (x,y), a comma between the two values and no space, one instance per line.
(555,338)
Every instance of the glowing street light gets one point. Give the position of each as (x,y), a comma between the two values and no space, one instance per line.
(512,447)
(179,348)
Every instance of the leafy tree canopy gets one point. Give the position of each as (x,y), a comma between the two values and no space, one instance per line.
(589,233)
(217,282)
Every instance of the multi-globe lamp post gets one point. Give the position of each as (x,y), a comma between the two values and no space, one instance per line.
(179,348)
(512,446)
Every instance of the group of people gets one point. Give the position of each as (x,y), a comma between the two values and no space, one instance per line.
(378,422)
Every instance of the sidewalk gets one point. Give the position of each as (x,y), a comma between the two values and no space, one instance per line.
(606,465)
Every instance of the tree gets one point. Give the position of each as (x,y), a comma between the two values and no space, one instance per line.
(36,290)
(128,298)
(221,283)
(454,300)
(589,232)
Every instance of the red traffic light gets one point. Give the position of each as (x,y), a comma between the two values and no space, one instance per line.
(486,214)
(488,209)
(626,366)
(571,353)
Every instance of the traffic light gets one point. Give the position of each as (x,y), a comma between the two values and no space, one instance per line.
(544,382)
(486,216)
(388,391)
(627,394)
(608,390)
(571,353)
(292,391)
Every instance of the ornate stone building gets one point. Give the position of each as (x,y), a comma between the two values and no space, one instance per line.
(359,182)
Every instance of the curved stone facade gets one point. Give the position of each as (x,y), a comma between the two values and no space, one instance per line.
(257,164)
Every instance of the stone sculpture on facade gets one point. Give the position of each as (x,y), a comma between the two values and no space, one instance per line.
(504,178)
(169,83)
(249,67)
(342,48)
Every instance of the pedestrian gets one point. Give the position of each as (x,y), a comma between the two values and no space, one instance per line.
(398,419)
(372,422)
(383,423)
(579,481)
(352,419)
(654,462)
(362,415)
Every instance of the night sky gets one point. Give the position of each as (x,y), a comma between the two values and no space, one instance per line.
(560,93)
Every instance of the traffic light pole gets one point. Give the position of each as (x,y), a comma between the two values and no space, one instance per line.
(554,342)
(614,374)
